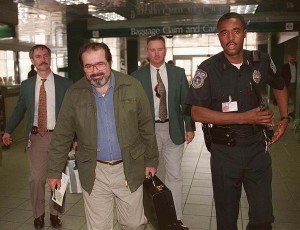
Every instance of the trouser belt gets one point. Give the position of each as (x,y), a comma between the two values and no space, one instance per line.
(110,162)
(35,130)
(159,121)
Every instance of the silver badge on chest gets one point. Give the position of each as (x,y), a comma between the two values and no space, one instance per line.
(256,76)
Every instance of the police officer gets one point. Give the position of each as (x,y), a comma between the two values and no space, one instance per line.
(226,92)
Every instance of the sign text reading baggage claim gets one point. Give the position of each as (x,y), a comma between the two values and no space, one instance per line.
(173,30)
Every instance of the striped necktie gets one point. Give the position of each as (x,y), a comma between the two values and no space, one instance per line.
(163,113)
(42,111)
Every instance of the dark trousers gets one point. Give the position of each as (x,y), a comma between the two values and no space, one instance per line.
(245,164)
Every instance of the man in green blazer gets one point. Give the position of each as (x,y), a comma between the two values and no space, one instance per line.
(175,127)
(54,88)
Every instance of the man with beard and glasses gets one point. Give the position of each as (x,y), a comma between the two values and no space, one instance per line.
(41,96)
(110,114)
(226,93)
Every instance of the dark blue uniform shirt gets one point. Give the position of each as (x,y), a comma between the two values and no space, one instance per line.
(218,80)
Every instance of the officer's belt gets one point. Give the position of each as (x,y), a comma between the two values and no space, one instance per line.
(240,131)
(228,134)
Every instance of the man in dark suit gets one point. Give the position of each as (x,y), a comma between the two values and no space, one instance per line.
(289,74)
(172,126)
(45,91)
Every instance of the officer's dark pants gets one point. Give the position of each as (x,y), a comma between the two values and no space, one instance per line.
(245,164)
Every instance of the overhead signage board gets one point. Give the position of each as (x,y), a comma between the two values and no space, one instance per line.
(190,29)
(155,30)
(273,26)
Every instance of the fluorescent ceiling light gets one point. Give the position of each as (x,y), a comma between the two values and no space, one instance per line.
(72,2)
(7,38)
(243,9)
(92,9)
(109,16)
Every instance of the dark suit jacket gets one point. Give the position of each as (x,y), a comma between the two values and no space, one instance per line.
(27,100)
(177,92)
(286,73)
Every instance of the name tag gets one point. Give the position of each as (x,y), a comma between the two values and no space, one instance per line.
(229,106)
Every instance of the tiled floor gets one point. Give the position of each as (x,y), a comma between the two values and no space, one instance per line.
(15,208)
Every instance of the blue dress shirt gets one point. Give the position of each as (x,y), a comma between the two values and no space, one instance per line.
(108,144)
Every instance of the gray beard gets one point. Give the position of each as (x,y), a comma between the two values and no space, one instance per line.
(100,83)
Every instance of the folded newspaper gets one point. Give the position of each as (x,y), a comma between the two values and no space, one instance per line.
(58,194)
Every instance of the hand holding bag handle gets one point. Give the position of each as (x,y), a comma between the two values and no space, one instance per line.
(158,187)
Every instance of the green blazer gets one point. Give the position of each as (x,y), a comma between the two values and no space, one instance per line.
(27,100)
(177,92)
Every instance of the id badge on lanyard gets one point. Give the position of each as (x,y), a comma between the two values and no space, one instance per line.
(229,106)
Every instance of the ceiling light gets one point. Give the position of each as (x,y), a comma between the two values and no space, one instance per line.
(42,16)
(243,9)
(92,8)
(109,16)
(72,2)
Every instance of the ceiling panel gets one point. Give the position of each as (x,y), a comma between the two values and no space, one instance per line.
(132,9)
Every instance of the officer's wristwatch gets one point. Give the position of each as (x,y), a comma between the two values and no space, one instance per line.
(288,118)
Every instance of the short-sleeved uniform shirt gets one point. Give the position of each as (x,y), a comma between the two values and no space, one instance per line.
(217,81)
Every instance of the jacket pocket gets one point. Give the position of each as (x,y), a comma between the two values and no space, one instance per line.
(83,154)
(136,150)
(134,164)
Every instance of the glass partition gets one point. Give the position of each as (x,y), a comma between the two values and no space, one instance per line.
(7,67)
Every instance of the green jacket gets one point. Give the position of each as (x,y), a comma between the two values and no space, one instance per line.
(178,87)
(134,126)
(26,102)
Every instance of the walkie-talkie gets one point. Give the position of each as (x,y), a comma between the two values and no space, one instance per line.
(268,130)
(264,105)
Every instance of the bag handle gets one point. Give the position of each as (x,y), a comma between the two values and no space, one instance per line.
(158,187)
(151,178)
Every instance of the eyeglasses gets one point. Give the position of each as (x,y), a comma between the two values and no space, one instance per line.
(99,66)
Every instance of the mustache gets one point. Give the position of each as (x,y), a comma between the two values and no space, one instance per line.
(231,42)
(93,75)
(44,63)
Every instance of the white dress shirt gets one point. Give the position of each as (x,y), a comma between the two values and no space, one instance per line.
(50,91)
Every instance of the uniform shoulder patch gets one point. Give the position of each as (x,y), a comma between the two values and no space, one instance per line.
(198,80)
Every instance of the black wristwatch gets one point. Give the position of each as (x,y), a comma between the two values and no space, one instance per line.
(286,118)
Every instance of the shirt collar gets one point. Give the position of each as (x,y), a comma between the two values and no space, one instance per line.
(226,64)
(112,82)
(153,68)
(50,77)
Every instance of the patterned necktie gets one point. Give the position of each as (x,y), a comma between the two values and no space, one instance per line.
(163,114)
(42,111)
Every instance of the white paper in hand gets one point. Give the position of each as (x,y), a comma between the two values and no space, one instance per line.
(58,194)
